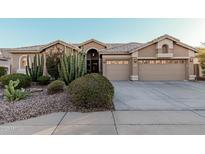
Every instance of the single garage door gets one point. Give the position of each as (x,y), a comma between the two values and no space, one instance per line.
(162,69)
(117,69)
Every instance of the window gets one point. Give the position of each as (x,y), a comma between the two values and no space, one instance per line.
(176,61)
(165,48)
(164,62)
(126,62)
(23,62)
(117,62)
(140,61)
(152,62)
(158,61)
(182,61)
(108,62)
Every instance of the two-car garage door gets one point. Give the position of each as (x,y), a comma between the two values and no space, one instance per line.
(147,69)
(161,69)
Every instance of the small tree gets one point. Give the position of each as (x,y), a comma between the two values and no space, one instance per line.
(201,57)
(52,62)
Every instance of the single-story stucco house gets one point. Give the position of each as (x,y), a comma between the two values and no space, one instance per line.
(164,58)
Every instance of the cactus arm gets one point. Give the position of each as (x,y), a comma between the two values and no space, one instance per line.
(36,68)
(71,66)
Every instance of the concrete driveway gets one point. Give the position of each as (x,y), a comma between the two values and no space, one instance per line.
(169,95)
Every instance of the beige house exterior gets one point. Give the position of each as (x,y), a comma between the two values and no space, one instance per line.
(164,58)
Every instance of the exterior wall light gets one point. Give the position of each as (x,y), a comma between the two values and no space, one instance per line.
(135,60)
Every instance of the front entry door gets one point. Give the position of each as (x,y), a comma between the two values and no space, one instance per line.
(94,66)
(92,61)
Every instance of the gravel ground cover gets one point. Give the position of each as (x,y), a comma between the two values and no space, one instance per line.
(39,103)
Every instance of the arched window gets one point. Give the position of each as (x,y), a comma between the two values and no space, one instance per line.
(23,62)
(165,48)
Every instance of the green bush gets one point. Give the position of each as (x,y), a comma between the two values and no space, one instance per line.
(91,91)
(3,71)
(44,80)
(11,93)
(55,87)
(25,80)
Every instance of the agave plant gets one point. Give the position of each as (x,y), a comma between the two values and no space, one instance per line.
(71,67)
(34,68)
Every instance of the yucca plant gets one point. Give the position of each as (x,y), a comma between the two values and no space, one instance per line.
(71,67)
(34,68)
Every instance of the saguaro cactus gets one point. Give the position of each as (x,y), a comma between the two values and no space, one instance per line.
(71,67)
(34,68)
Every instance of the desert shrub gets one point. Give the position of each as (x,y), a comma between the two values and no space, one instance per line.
(3,71)
(24,80)
(55,87)
(44,80)
(91,91)
(12,93)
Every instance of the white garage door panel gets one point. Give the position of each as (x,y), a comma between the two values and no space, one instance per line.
(162,71)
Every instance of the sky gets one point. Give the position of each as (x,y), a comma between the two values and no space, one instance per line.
(26,32)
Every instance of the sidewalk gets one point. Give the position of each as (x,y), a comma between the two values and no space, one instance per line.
(111,123)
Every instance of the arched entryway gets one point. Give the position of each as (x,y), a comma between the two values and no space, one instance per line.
(92,61)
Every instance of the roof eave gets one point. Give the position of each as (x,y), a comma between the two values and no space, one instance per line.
(93,40)
(113,53)
(59,42)
(19,52)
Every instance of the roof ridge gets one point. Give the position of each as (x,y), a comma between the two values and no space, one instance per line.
(123,44)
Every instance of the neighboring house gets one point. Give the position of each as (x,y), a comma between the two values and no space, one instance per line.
(164,58)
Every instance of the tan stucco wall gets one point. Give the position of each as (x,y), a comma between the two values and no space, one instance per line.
(92,45)
(180,51)
(165,41)
(134,66)
(190,67)
(15,61)
(149,51)
(6,64)
(58,48)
